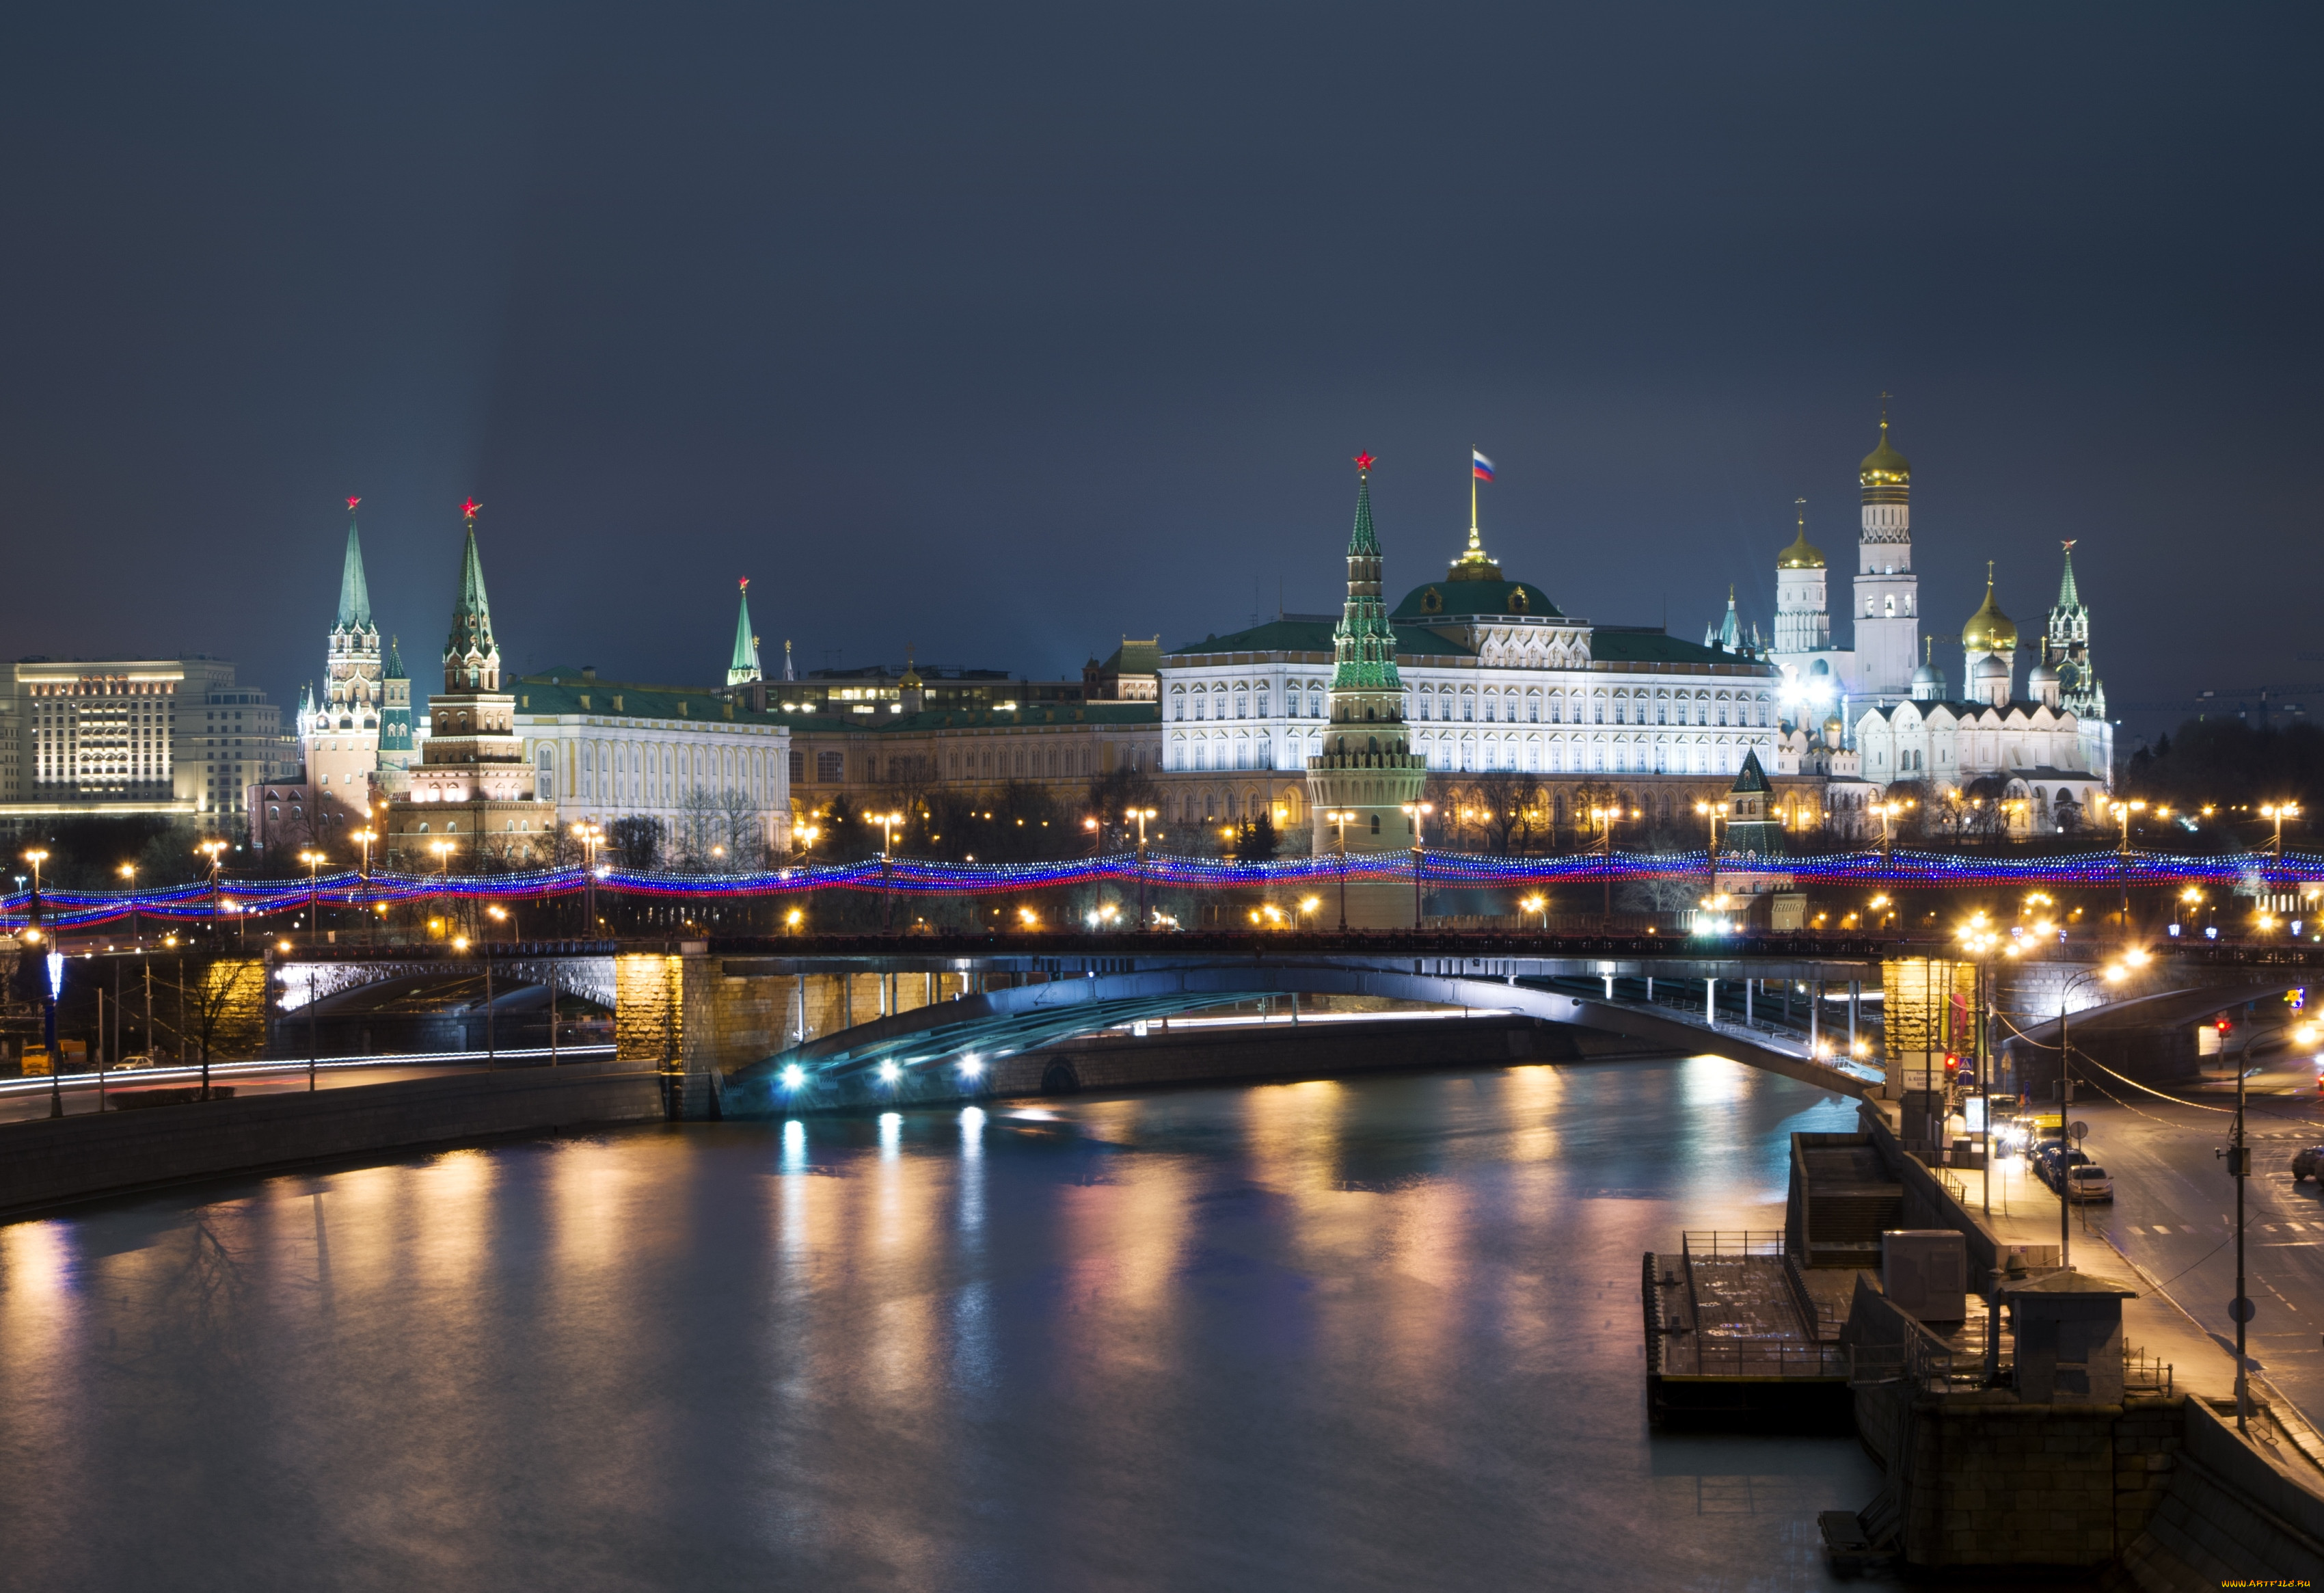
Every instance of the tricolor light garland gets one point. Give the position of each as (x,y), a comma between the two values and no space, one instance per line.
(1901,870)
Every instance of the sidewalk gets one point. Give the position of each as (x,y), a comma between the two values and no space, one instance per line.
(2025,1212)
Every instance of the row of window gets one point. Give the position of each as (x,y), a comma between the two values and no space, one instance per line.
(1702,708)
(1657,756)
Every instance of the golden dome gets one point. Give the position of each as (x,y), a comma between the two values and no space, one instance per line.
(1803,555)
(1884,466)
(1988,629)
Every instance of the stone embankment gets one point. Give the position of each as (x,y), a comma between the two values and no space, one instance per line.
(50,1162)
(2013,1424)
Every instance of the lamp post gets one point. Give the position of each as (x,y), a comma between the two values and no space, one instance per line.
(1538,903)
(51,988)
(1419,813)
(2279,812)
(214,850)
(313,860)
(2113,974)
(591,836)
(1339,818)
(1887,810)
(2122,811)
(1605,819)
(128,871)
(2239,1168)
(887,823)
(363,838)
(1714,814)
(1140,816)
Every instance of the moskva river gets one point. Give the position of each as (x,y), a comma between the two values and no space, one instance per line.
(1371,1335)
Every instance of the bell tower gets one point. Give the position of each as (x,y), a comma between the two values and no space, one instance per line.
(1888,593)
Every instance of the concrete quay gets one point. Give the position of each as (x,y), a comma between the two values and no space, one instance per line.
(2024,1415)
(53,1162)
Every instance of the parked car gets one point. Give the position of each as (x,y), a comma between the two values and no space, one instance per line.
(2089,1182)
(2309,1163)
(2051,1168)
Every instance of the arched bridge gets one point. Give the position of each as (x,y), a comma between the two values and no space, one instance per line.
(944,1048)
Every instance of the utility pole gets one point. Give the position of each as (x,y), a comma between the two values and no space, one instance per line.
(2239,1168)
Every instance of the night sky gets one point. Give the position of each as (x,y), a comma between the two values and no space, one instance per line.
(1004,331)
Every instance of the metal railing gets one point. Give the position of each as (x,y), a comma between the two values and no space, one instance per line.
(2145,1374)
(1769,1358)
(1766,1242)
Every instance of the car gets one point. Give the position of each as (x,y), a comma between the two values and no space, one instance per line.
(2089,1182)
(137,1060)
(2049,1167)
(2309,1163)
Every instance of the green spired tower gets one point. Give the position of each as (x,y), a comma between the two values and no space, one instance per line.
(1367,770)
(744,668)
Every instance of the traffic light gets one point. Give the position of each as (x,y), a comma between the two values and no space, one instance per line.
(1952,1064)
(2225,1024)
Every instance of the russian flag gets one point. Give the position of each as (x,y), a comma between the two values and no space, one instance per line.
(1480,466)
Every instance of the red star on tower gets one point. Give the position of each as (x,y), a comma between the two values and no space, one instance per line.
(468,510)
(1364,462)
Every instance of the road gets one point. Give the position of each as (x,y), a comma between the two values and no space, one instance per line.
(2173,1216)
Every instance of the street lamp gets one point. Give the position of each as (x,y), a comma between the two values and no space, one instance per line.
(1139,816)
(887,823)
(1887,810)
(591,836)
(1538,903)
(313,860)
(1714,814)
(2122,811)
(2279,812)
(1605,819)
(136,924)
(364,838)
(214,850)
(1339,818)
(1419,813)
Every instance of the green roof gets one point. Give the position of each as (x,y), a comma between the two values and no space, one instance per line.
(1314,635)
(1137,655)
(472,615)
(744,664)
(1451,600)
(1625,646)
(560,690)
(961,719)
(354,595)
(1752,778)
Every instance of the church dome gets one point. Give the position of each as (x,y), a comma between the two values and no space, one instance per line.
(2042,675)
(1803,555)
(1926,676)
(1884,466)
(1989,668)
(1988,629)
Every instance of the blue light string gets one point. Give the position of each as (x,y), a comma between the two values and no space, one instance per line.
(914,877)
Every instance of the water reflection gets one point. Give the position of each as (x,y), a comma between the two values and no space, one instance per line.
(1380,1332)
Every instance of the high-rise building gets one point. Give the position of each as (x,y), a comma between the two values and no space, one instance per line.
(93,737)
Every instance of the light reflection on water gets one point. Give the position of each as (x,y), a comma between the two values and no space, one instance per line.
(1373,1333)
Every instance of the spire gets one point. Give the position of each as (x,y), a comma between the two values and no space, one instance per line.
(354,595)
(1363,644)
(2068,595)
(394,670)
(788,674)
(743,667)
(1363,541)
(1731,632)
(471,659)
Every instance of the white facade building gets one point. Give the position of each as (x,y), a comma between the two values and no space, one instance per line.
(1495,679)
(607,750)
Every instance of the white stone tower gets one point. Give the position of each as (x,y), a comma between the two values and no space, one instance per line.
(338,733)
(1888,593)
(1803,611)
